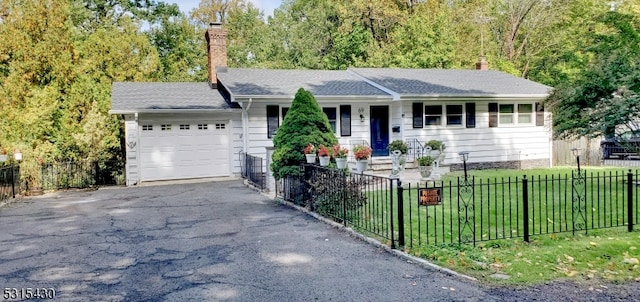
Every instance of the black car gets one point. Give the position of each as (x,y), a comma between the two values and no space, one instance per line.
(622,146)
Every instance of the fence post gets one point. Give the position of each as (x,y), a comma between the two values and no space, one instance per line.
(630,201)
(13,182)
(344,184)
(393,244)
(96,178)
(400,213)
(525,207)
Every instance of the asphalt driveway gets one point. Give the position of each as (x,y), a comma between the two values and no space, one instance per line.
(212,241)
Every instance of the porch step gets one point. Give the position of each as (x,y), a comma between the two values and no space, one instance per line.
(385,164)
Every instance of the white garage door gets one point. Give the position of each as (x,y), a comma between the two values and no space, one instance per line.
(178,150)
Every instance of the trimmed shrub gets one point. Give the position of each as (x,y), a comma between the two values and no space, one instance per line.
(305,123)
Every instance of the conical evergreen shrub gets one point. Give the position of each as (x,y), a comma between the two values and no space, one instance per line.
(304,123)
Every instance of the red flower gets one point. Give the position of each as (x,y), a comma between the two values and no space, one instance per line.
(310,149)
(324,151)
(340,152)
(362,152)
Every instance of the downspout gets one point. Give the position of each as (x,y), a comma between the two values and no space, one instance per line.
(245,126)
(138,172)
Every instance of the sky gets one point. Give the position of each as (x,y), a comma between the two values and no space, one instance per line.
(267,6)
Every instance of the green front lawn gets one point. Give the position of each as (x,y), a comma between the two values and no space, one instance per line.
(432,232)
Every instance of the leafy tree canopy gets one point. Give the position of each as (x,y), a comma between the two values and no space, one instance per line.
(604,98)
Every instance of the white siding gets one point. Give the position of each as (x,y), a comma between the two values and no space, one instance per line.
(485,144)
(257,130)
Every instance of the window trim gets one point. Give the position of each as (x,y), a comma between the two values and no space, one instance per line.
(495,114)
(530,113)
(443,116)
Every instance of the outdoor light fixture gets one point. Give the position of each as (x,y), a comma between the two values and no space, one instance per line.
(362,118)
(576,152)
(464,156)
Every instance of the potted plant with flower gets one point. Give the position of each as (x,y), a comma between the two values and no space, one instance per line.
(310,153)
(398,150)
(324,154)
(425,166)
(362,154)
(340,154)
(438,147)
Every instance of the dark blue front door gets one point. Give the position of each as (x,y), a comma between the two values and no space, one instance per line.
(380,130)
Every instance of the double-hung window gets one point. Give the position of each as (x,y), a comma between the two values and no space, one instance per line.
(454,115)
(525,113)
(512,114)
(506,114)
(433,115)
(332,115)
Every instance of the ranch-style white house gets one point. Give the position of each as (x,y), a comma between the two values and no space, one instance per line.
(198,130)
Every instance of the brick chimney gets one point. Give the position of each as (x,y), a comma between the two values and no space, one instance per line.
(482,64)
(216,51)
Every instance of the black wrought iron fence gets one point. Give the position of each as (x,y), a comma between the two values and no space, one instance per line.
(65,175)
(9,182)
(471,210)
(482,210)
(364,202)
(252,169)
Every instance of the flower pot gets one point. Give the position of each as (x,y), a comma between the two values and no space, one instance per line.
(324,160)
(311,158)
(425,171)
(341,163)
(362,165)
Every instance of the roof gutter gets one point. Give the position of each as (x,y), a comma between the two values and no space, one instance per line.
(318,97)
(132,111)
(476,97)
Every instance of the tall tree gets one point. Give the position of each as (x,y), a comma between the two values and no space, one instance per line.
(181,49)
(604,98)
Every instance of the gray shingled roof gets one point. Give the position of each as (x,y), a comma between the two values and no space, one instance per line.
(273,82)
(451,82)
(140,96)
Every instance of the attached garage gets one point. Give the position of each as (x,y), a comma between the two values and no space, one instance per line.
(177,131)
(184,149)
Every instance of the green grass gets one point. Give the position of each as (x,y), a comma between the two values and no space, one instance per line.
(588,255)
(610,255)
